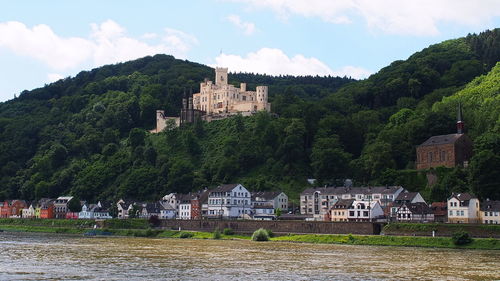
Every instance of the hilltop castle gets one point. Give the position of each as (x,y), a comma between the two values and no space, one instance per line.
(217,101)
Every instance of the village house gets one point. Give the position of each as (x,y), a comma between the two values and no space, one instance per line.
(123,208)
(318,201)
(490,212)
(229,201)
(404,197)
(339,210)
(364,211)
(151,209)
(414,212)
(46,208)
(184,206)
(440,211)
(28,213)
(61,206)
(445,150)
(12,208)
(277,199)
(463,208)
(167,211)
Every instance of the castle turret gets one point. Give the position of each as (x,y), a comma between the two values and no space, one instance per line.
(460,123)
(220,76)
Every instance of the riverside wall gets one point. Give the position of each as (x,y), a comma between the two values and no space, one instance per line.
(278,227)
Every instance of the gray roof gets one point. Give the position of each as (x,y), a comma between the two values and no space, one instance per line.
(490,206)
(225,187)
(266,195)
(418,208)
(442,139)
(352,190)
(343,204)
(461,196)
(406,196)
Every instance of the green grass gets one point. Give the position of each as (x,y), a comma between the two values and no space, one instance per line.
(48,222)
(44,229)
(407,241)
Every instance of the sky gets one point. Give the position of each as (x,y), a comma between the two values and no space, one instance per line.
(43,41)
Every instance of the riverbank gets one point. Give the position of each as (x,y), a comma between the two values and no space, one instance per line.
(374,240)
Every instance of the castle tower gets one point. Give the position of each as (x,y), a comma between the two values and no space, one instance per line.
(220,76)
(460,123)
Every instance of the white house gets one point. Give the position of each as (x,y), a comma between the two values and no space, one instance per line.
(278,200)
(364,211)
(404,197)
(123,208)
(87,211)
(229,201)
(463,208)
(184,206)
(167,212)
(28,213)
(414,212)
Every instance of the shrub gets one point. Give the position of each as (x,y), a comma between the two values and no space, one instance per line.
(228,231)
(350,238)
(184,234)
(216,234)
(260,235)
(270,233)
(461,238)
(154,221)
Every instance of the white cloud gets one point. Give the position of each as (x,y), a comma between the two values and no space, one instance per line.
(389,16)
(107,43)
(53,77)
(247,27)
(275,62)
(149,35)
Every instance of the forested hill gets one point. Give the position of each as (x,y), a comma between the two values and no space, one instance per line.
(87,135)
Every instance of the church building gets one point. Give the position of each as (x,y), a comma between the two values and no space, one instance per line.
(446,150)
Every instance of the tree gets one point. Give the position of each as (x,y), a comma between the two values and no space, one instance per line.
(74,205)
(136,137)
(135,211)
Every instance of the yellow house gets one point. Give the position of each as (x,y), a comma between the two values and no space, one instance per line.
(37,212)
(339,212)
(463,208)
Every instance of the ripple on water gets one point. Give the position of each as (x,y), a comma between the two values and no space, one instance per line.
(51,257)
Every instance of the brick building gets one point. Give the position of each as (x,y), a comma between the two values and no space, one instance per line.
(445,150)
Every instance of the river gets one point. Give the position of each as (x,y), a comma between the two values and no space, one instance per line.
(34,256)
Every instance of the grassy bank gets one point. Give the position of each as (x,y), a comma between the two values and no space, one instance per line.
(407,241)
(140,228)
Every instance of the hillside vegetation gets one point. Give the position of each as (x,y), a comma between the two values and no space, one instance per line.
(87,135)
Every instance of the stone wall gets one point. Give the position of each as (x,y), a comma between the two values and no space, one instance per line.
(278,227)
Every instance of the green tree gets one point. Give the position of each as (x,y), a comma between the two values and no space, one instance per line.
(74,205)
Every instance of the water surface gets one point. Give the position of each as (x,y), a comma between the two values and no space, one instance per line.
(34,256)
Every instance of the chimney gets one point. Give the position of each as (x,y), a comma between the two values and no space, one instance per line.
(460,123)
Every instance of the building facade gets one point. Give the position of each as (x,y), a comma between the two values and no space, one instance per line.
(463,208)
(229,201)
(490,212)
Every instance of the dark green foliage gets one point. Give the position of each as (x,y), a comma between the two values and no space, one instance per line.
(216,234)
(185,234)
(228,231)
(88,136)
(154,221)
(74,205)
(260,235)
(461,238)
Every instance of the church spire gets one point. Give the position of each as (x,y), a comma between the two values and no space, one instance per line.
(460,122)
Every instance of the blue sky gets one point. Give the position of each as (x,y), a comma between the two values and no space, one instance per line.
(42,41)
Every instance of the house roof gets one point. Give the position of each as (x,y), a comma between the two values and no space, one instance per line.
(439,208)
(406,196)
(463,197)
(225,187)
(153,208)
(442,139)
(417,208)
(352,190)
(266,195)
(490,206)
(343,204)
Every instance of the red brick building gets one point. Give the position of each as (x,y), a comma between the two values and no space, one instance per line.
(445,150)
(12,208)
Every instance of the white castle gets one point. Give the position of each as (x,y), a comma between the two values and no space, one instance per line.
(217,101)
(223,98)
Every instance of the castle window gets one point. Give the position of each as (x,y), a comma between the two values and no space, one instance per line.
(429,157)
(443,156)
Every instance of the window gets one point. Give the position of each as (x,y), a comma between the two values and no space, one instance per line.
(451,213)
(429,157)
(351,213)
(365,213)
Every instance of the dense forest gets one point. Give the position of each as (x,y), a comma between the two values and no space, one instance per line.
(88,135)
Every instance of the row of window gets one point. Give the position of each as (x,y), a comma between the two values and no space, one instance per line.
(458,213)
(491,214)
(433,156)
